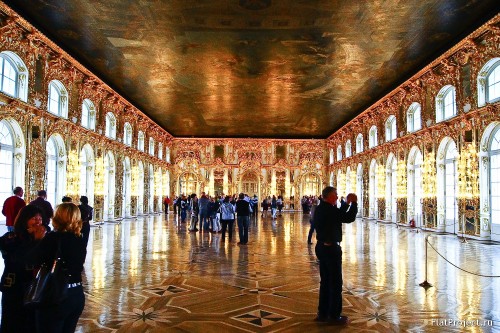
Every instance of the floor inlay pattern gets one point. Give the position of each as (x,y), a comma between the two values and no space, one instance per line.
(151,275)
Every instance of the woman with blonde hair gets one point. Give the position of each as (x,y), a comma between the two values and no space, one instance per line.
(66,238)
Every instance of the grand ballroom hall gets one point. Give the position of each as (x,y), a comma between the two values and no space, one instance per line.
(129,102)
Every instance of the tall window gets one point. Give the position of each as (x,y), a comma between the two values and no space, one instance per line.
(127,134)
(390,129)
(55,169)
(13,76)
(414,185)
(140,141)
(348,149)
(6,161)
(450,184)
(488,82)
(414,118)
(167,155)
(58,99)
(493,84)
(87,173)
(359,143)
(339,153)
(160,150)
(495,177)
(331,156)
(446,104)
(151,146)
(88,114)
(372,137)
(110,125)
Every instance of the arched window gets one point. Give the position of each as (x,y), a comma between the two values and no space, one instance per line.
(58,99)
(12,158)
(359,188)
(391,188)
(372,190)
(447,177)
(6,161)
(446,107)
(127,134)
(348,149)
(331,156)
(140,189)
(390,129)
(488,82)
(339,153)
(311,184)
(88,114)
(87,173)
(414,185)
(110,125)
(372,137)
(359,143)
(160,150)
(55,169)
(495,176)
(152,188)
(414,117)
(127,188)
(167,155)
(151,146)
(109,186)
(140,141)
(13,76)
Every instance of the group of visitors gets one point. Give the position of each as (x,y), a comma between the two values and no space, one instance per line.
(29,244)
(217,214)
(276,205)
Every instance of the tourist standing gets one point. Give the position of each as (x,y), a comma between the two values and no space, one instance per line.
(166,203)
(195,210)
(227,218)
(67,224)
(183,206)
(204,213)
(45,206)
(328,219)
(274,206)
(243,212)
(12,206)
(87,213)
(18,272)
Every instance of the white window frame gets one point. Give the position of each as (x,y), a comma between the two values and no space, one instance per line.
(390,129)
(441,108)
(339,153)
(348,149)
(110,126)
(21,75)
(57,87)
(372,137)
(413,124)
(127,134)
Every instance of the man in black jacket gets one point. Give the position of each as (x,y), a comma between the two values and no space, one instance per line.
(243,212)
(46,208)
(328,219)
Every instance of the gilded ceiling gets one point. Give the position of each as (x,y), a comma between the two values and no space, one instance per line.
(255,68)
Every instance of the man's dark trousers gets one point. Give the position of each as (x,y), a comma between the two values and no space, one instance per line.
(330,289)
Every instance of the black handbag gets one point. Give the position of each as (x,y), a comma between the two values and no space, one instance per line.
(50,286)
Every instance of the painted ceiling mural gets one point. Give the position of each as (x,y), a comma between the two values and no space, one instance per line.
(247,68)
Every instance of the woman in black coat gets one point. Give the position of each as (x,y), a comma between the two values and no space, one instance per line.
(19,271)
(67,224)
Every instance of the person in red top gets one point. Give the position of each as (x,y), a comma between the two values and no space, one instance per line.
(166,202)
(12,206)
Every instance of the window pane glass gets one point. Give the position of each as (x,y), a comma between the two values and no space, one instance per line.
(494,84)
(495,187)
(85,116)
(54,99)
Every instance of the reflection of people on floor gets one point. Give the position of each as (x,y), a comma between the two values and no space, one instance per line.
(328,222)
